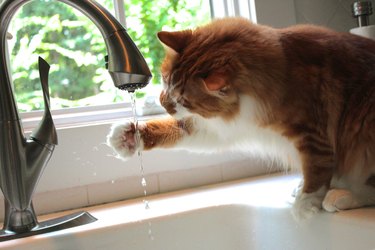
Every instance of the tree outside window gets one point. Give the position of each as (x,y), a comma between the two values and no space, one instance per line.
(75,49)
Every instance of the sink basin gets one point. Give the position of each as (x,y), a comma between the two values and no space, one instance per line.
(247,214)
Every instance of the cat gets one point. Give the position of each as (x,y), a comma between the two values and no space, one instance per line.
(306,94)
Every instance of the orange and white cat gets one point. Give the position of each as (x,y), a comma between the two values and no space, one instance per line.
(306,94)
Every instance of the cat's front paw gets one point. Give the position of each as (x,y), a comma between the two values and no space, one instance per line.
(307,204)
(123,139)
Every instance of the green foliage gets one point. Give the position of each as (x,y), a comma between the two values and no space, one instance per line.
(75,49)
(152,16)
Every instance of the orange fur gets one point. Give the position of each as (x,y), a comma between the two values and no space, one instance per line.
(164,132)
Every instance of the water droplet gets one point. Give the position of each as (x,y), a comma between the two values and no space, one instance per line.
(146,203)
(113,181)
(150,234)
(144,182)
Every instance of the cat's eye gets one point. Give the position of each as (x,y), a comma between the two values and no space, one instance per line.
(204,75)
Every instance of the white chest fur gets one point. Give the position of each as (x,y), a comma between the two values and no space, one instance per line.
(243,133)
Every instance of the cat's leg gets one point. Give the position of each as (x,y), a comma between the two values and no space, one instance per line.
(306,204)
(317,167)
(153,133)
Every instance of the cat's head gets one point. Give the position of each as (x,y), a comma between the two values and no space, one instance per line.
(200,71)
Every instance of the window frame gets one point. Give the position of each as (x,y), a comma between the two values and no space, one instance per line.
(225,8)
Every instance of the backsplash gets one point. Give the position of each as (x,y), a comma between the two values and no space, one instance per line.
(335,14)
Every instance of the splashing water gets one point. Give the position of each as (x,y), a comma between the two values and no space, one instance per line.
(139,151)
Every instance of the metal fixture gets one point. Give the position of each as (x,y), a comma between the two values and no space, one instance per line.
(22,159)
(362,10)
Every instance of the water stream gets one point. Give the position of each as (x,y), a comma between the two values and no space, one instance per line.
(139,151)
(140,159)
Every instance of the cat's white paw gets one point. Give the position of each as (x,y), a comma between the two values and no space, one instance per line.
(122,138)
(340,199)
(307,204)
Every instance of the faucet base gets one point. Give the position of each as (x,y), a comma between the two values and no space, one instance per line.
(67,221)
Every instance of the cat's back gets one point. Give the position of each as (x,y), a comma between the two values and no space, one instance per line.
(316,45)
(302,44)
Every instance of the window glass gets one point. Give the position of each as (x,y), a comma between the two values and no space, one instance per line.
(75,49)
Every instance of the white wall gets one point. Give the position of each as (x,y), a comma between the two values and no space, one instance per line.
(334,14)
(276,13)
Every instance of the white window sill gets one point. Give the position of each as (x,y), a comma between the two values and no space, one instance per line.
(91,115)
(74,117)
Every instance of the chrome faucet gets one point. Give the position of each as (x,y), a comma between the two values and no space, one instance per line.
(22,159)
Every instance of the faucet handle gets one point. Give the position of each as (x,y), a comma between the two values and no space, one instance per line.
(45,133)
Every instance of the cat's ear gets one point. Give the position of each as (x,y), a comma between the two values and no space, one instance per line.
(215,81)
(176,40)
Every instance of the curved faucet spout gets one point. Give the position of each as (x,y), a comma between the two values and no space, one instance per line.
(22,160)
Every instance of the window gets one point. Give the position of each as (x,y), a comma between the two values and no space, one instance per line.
(223,8)
(75,49)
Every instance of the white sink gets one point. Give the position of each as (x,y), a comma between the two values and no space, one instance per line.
(248,214)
